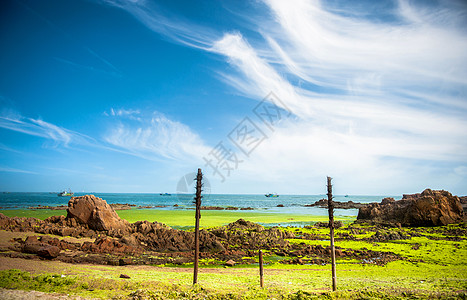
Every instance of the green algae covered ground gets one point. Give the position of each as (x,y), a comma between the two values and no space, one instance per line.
(184,219)
(426,263)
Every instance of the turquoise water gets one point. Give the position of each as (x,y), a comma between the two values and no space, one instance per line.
(294,204)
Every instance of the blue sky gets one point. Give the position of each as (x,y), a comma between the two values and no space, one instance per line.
(264,96)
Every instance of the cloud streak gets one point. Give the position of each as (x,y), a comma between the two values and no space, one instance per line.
(14,121)
(153,136)
(150,136)
(382,93)
(37,127)
(358,71)
(13,170)
(166,24)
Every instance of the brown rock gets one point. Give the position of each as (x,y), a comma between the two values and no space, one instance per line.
(31,240)
(130,240)
(230,263)
(429,208)
(248,235)
(125,261)
(387,200)
(106,244)
(55,219)
(96,213)
(49,251)
(410,196)
(32,248)
(247,208)
(323,203)
(337,224)
(211,208)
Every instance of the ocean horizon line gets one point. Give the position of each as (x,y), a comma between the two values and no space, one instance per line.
(224,194)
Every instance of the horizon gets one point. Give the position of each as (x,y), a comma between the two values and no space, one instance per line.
(175,194)
(130,96)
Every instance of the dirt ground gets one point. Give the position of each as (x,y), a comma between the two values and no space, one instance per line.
(20,295)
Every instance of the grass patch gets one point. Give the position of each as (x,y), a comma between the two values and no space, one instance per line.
(210,218)
(41,214)
(281,282)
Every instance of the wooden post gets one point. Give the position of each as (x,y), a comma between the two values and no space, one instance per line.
(261,279)
(331,232)
(197,202)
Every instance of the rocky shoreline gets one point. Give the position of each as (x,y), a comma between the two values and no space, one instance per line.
(117,242)
(115,206)
(105,238)
(157,244)
(323,203)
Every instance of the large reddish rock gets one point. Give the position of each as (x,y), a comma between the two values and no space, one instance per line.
(429,208)
(96,213)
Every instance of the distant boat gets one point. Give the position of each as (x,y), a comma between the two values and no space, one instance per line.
(346,196)
(271,195)
(165,194)
(68,193)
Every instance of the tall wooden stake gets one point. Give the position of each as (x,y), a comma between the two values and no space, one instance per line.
(331,229)
(197,202)
(261,279)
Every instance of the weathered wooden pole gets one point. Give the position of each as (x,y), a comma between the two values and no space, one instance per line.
(197,202)
(331,232)
(261,279)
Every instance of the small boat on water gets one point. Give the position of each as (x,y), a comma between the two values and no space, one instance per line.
(271,195)
(165,194)
(68,193)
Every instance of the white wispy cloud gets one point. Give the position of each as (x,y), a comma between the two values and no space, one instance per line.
(113,72)
(12,120)
(371,94)
(36,127)
(149,135)
(9,149)
(153,136)
(364,72)
(121,112)
(14,170)
(162,22)
(330,46)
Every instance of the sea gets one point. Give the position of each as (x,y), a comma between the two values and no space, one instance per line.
(288,204)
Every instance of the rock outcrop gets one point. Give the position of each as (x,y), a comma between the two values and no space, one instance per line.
(96,213)
(323,203)
(243,234)
(429,208)
(34,246)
